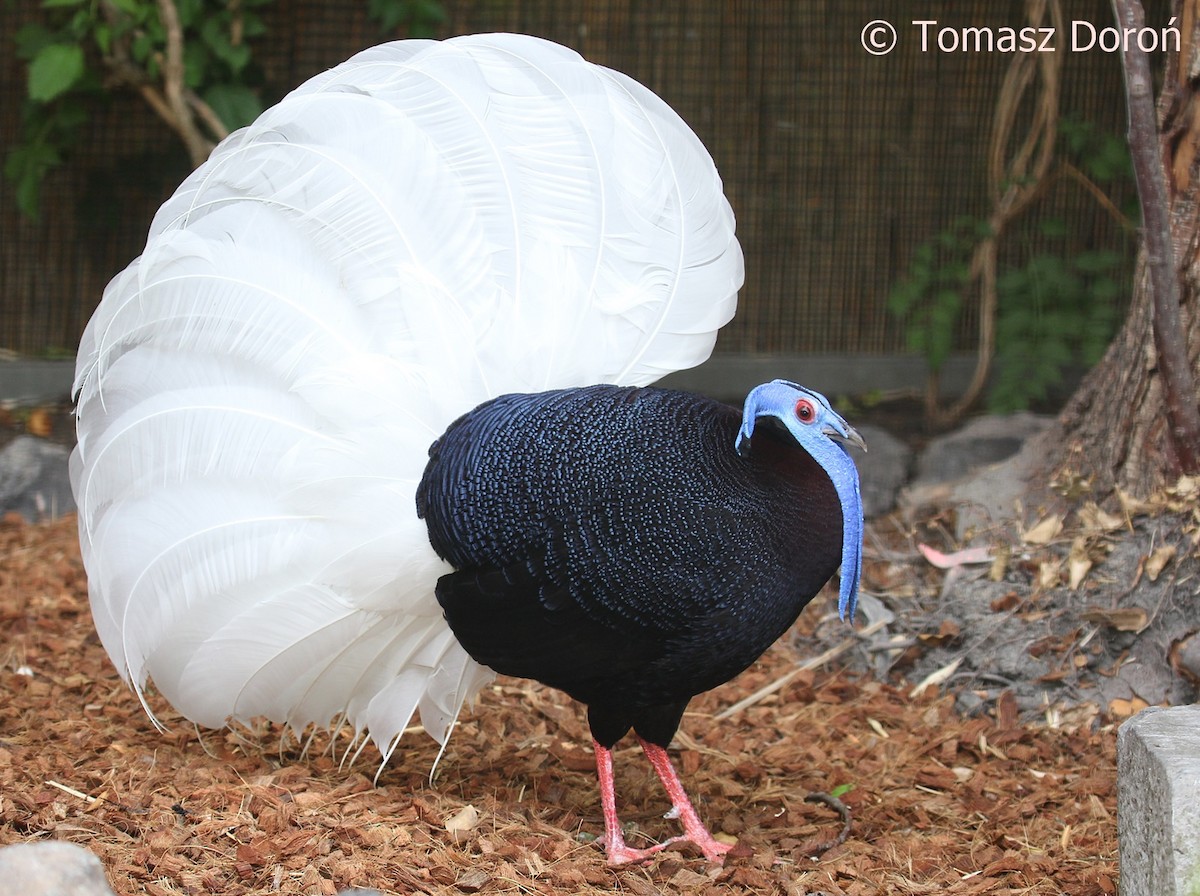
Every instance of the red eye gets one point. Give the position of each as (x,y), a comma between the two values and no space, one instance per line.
(805,412)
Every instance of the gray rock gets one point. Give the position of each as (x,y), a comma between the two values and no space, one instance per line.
(989,497)
(51,868)
(883,469)
(981,470)
(34,481)
(979,443)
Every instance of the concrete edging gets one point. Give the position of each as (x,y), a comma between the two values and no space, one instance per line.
(1158,802)
(28,382)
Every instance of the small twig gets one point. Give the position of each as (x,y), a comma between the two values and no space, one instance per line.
(974,675)
(690,743)
(1167,592)
(843,812)
(171,101)
(206,114)
(811,663)
(91,800)
(1099,195)
(902,644)
(174,85)
(237,23)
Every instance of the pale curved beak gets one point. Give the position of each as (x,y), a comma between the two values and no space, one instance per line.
(850,434)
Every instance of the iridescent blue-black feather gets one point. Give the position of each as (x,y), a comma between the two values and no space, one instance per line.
(612,543)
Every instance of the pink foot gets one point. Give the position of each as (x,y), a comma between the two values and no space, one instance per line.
(694,830)
(618,853)
(615,848)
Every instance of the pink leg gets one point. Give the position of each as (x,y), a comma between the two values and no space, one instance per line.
(694,830)
(614,841)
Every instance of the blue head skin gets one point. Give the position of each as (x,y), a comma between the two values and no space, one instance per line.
(814,424)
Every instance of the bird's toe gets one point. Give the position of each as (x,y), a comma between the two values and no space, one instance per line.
(619,854)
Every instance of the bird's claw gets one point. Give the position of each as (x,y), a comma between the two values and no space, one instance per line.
(714,850)
(621,854)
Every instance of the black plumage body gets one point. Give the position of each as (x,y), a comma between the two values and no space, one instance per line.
(610,542)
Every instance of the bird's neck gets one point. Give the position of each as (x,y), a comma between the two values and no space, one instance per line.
(774,453)
(800,492)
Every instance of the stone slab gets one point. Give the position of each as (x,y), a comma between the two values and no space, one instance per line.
(51,868)
(1158,802)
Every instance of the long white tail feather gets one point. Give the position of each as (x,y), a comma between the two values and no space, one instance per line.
(419,229)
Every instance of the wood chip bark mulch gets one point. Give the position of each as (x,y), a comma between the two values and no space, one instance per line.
(941,804)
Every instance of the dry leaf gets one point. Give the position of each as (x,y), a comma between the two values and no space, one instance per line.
(1072,485)
(1123,619)
(985,747)
(1007,713)
(473,881)
(1125,708)
(948,631)
(1158,560)
(1095,519)
(1045,531)
(688,881)
(1185,656)
(1078,563)
(1133,506)
(1006,602)
(958,558)
(463,821)
(999,564)
(935,678)
(1187,487)
(39,423)
(1049,574)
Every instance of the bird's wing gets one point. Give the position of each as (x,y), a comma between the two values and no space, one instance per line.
(610,618)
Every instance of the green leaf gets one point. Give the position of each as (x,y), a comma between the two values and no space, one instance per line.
(903,297)
(26,166)
(253,25)
(234,104)
(142,46)
(190,11)
(237,57)
(1096,262)
(196,59)
(424,18)
(30,39)
(1054,227)
(52,4)
(389,13)
(54,70)
(1107,290)
(216,38)
(420,16)
(103,37)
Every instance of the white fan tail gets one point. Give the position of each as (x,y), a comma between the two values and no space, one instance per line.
(423,227)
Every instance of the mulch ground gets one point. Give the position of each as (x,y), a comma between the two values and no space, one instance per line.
(941,803)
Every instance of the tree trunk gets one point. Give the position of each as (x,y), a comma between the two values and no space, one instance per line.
(1116,431)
